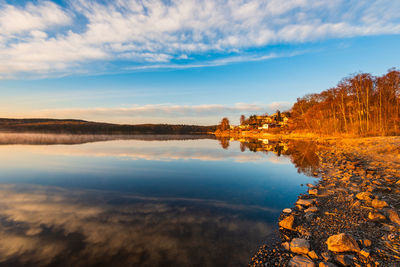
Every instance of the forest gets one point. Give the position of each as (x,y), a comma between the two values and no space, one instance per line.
(88,127)
(360,104)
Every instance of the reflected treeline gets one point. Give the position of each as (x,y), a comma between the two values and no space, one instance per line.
(72,139)
(301,153)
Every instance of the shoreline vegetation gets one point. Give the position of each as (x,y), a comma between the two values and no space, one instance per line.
(81,127)
(360,105)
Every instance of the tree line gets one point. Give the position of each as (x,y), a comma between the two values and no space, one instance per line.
(88,127)
(360,104)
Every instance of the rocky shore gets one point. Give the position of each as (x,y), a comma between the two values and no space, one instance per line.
(351,217)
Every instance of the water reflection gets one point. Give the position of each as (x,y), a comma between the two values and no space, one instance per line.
(301,153)
(110,201)
(42,226)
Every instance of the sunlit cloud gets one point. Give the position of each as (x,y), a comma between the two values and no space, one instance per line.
(43,38)
(163,113)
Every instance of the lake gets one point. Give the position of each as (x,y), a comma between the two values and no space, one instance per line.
(144,201)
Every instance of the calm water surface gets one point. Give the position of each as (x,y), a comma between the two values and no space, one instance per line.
(140,202)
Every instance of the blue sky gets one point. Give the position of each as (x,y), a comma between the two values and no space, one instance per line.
(184,61)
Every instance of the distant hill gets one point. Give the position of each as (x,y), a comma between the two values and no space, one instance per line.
(69,126)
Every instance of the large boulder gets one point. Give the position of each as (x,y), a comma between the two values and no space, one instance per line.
(287,223)
(301,261)
(342,243)
(299,246)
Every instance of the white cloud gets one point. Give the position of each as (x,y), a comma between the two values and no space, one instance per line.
(44,38)
(44,15)
(208,114)
(163,113)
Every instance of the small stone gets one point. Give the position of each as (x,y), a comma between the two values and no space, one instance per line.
(326,264)
(313,191)
(312,255)
(287,210)
(365,252)
(311,209)
(388,227)
(305,202)
(342,243)
(364,196)
(325,256)
(367,242)
(393,216)
(376,216)
(299,246)
(301,261)
(286,245)
(379,204)
(287,223)
(344,260)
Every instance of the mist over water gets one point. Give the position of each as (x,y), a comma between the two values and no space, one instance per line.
(126,201)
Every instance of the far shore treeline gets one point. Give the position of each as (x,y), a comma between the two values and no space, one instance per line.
(361,104)
(87,127)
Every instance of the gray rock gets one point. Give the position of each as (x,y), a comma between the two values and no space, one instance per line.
(376,216)
(305,202)
(299,246)
(301,261)
(287,210)
(287,223)
(311,209)
(379,204)
(393,216)
(326,264)
(342,243)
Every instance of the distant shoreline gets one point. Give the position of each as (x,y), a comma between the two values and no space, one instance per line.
(71,126)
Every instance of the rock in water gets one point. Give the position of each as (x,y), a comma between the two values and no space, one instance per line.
(299,246)
(287,223)
(393,216)
(379,204)
(287,210)
(342,243)
(301,261)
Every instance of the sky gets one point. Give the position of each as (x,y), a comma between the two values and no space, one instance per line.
(184,61)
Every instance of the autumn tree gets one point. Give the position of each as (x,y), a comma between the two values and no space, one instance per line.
(242,119)
(224,124)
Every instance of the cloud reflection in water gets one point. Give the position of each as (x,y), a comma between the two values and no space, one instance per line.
(43,225)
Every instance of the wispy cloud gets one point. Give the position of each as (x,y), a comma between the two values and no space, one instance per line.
(43,38)
(169,113)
